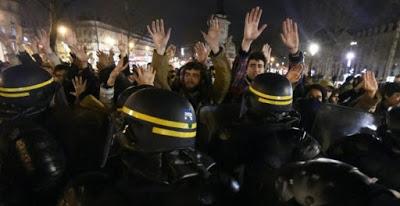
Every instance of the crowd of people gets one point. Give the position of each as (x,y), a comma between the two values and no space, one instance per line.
(208,133)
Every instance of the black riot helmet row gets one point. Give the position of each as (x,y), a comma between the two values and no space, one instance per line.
(25,89)
(159,120)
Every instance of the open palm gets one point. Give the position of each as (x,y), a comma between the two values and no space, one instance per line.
(160,37)
(213,35)
(290,35)
(251,30)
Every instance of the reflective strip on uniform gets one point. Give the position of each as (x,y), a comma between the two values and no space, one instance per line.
(27,88)
(266,96)
(273,102)
(171,133)
(14,95)
(156,120)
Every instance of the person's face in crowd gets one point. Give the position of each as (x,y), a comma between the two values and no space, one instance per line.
(334,99)
(397,80)
(191,78)
(393,100)
(254,68)
(59,75)
(171,76)
(315,94)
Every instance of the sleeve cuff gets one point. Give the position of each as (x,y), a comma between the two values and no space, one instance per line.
(243,53)
(217,54)
(297,58)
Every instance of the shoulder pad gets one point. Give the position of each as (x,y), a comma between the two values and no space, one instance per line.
(36,154)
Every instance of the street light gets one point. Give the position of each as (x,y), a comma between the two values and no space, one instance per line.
(350,56)
(182,51)
(272,59)
(313,49)
(131,45)
(353,43)
(62,30)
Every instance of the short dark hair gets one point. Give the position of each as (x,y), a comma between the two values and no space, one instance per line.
(397,76)
(390,88)
(317,87)
(257,56)
(61,67)
(194,66)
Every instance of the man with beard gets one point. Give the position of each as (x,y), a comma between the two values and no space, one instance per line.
(195,82)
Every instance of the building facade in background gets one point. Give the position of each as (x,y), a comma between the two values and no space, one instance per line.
(352,26)
(376,48)
(10,23)
(96,35)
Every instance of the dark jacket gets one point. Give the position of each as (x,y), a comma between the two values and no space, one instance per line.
(92,85)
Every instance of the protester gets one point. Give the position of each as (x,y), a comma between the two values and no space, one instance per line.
(248,65)
(195,84)
(258,134)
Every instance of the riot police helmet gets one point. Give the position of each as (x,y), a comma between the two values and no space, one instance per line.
(158,120)
(269,92)
(23,88)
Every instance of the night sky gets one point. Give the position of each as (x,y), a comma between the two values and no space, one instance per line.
(188,17)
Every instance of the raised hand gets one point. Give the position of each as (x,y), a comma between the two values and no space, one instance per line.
(43,40)
(160,38)
(295,72)
(79,86)
(122,48)
(71,40)
(6,40)
(145,76)
(290,35)
(116,71)
(201,52)
(369,83)
(80,52)
(266,50)
(213,34)
(251,28)
(78,49)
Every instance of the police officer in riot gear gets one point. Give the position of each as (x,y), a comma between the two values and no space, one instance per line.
(159,163)
(329,182)
(261,138)
(32,161)
(375,155)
